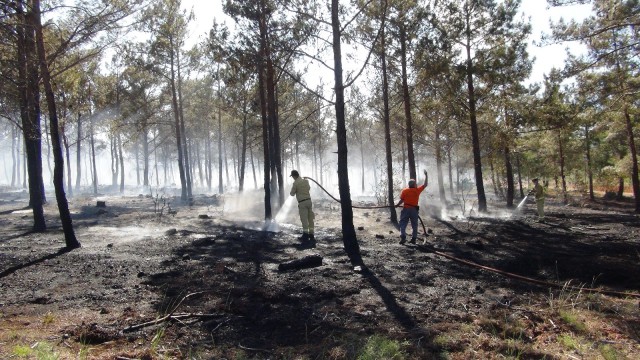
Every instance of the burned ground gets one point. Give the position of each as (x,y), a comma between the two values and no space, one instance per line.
(204,282)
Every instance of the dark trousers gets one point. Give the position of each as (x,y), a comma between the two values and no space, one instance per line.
(409,214)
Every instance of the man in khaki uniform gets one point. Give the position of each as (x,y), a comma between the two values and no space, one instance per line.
(301,190)
(538,192)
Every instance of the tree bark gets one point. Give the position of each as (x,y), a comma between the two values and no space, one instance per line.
(67,152)
(178,128)
(243,153)
(220,184)
(475,137)
(121,164)
(587,141)
(79,154)
(58,172)
(393,216)
(93,157)
(185,151)
(407,104)
(443,197)
(30,113)
(565,199)
(349,237)
(265,140)
(635,181)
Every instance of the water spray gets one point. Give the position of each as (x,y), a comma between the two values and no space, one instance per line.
(522,202)
(272,225)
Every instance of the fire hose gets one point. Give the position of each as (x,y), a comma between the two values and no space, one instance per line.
(432,249)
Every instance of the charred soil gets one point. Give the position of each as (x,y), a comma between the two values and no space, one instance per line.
(155,279)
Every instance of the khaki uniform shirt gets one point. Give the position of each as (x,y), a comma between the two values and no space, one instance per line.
(301,189)
(538,191)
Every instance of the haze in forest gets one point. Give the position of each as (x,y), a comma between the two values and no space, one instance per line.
(229,103)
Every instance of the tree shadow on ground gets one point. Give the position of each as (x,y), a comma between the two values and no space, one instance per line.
(33,262)
(264,308)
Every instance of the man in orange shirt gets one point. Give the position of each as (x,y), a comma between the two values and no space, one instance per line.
(410,196)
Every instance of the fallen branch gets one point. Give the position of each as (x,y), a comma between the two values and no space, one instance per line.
(169,316)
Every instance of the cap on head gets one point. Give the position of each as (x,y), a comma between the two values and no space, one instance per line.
(412,183)
(294,173)
(534,179)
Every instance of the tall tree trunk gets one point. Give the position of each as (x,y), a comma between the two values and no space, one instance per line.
(155,156)
(362,169)
(208,161)
(450,166)
(565,199)
(475,136)
(201,175)
(113,152)
(253,168)
(121,164)
(587,141)
(349,237)
(145,156)
(407,103)
(635,181)
(220,184)
(14,169)
(58,174)
(519,175)
(243,153)
(67,151)
(265,140)
(178,128)
(185,151)
(48,142)
(18,156)
(30,112)
(438,144)
(79,154)
(93,157)
(393,216)
(271,99)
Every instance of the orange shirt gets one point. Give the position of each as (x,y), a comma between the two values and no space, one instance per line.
(410,196)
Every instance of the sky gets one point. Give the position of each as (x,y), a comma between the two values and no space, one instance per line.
(547,57)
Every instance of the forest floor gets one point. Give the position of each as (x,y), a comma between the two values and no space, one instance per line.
(204,282)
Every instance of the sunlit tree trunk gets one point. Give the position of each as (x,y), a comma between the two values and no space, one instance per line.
(14,156)
(243,153)
(93,157)
(349,237)
(407,104)
(79,154)
(67,152)
(265,139)
(145,155)
(438,145)
(220,184)
(393,216)
(121,163)
(58,175)
(561,159)
(587,141)
(178,127)
(475,136)
(30,111)
(635,181)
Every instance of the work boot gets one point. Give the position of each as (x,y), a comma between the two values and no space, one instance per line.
(403,240)
(311,237)
(412,241)
(304,237)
